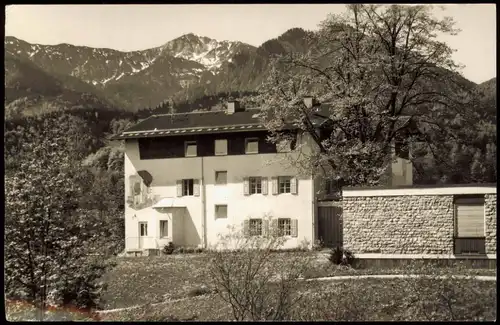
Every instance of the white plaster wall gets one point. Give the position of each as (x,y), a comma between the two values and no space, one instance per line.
(166,172)
(241,207)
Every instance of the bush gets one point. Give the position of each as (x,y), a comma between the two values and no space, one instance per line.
(257,284)
(341,256)
(188,250)
(318,245)
(200,291)
(168,249)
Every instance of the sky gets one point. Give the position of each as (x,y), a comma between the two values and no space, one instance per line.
(138,27)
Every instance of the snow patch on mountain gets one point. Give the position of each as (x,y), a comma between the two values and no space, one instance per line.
(211,53)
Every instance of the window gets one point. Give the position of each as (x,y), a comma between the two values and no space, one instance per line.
(255,227)
(220,211)
(255,185)
(285,226)
(284,184)
(220,147)
(163,228)
(252,145)
(143,229)
(469,225)
(187,187)
(191,149)
(221,177)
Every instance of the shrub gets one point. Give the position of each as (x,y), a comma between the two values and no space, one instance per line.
(168,249)
(318,245)
(341,256)
(439,295)
(188,250)
(257,284)
(200,291)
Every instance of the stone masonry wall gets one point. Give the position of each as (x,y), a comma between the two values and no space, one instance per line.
(490,211)
(399,224)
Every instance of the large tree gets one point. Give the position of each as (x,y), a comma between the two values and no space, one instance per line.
(387,77)
(58,229)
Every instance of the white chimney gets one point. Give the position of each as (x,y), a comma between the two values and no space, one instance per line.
(233,106)
(309,101)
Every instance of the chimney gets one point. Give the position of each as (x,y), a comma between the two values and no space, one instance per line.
(309,101)
(233,106)
(401,170)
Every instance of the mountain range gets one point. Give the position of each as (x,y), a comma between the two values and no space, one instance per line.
(182,69)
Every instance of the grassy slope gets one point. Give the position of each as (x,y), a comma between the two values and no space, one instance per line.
(368,299)
(143,280)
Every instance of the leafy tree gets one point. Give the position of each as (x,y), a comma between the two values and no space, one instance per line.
(50,236)
(388,78)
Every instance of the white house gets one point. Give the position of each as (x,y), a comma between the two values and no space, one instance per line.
(189,176)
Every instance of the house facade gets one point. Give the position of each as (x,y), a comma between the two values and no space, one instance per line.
(189,177)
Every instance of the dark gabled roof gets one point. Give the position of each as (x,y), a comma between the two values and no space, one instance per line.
(214,122)
(200,123)
(194,122)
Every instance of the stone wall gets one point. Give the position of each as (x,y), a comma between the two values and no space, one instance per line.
(399,224)
(490,211)
(407,224)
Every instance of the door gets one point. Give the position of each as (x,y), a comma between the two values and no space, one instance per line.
(330,224)
(143,233)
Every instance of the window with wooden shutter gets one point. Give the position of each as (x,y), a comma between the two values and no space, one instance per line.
(221,177)
(284,184)
(295,228)
(188,186)
(274,183)
(246,187)
(191,149)
(179,188)
(264,185)
(220,147)
(274,227)
(246,228)
(255,185)
(255,227)
(265,227)
(251,145)
(196,187)
(294,185)
(285,227)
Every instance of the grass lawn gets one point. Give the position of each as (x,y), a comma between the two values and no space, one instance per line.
(367,299)
(148,280)
(169,288)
